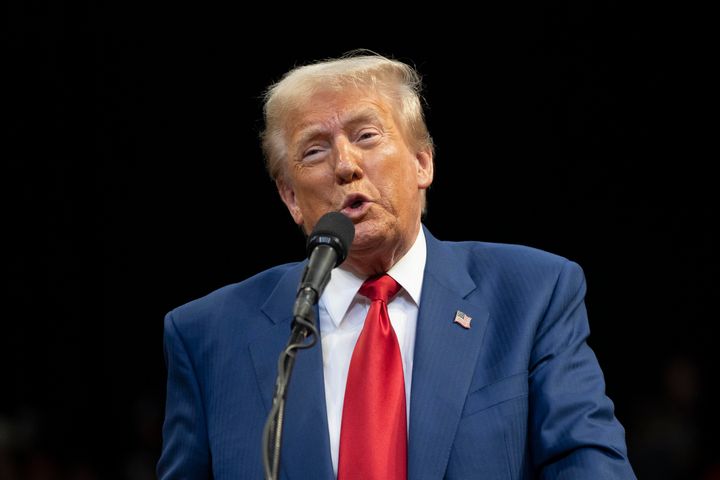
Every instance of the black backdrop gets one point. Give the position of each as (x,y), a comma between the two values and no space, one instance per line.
(134,183)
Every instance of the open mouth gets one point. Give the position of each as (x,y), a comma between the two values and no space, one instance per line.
(355,205)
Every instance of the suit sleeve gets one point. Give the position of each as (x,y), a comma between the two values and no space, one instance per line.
(185,452)
(574,432)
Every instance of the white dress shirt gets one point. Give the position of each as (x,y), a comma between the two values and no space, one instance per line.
(342,315)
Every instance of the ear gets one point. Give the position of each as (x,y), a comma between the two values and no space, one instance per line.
(288,197)
(424,163)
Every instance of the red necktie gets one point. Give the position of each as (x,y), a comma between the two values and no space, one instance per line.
(373,435)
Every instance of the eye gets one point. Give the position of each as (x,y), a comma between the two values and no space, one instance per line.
(367,134)
(312,152)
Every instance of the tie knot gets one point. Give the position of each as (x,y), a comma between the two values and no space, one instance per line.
(382,288)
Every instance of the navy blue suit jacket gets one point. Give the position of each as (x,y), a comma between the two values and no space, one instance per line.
(518,395)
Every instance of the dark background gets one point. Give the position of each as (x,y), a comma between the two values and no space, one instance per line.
(133,183)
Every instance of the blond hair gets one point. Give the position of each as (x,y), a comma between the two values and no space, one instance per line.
(395,81)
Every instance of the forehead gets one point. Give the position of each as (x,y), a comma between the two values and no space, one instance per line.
(329,109)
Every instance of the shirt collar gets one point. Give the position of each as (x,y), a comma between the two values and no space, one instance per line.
(344,285)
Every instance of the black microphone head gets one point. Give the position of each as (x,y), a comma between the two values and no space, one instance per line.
(333,229)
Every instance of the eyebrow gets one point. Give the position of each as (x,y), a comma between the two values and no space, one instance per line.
(360,116)
(363,115)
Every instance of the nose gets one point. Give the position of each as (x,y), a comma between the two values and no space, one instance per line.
(348,161)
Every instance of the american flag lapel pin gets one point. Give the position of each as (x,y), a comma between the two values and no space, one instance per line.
(462,319)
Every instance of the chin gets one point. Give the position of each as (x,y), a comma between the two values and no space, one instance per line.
(371,235)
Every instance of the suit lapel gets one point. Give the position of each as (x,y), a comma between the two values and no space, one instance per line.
(306,445)
(444,362)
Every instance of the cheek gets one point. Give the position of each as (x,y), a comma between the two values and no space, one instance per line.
(313,183)
(400,176)
(314,194)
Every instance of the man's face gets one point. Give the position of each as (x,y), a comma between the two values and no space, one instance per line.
(347,153)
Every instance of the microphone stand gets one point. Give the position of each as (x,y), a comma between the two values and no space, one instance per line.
(303,328)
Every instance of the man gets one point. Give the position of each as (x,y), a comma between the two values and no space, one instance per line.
(487,341)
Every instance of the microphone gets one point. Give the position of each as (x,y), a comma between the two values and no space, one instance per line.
(327,247)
